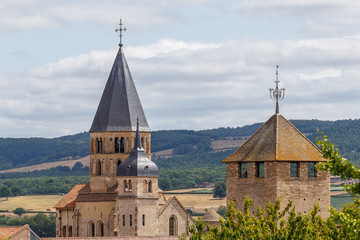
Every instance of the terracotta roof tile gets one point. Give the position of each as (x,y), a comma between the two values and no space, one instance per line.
(8,231)
(276,140)
(96,197)
(68,201)
(211,216)
(85,189)
(113,189)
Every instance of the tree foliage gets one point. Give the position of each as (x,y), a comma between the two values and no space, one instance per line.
(338,165)
(220,190)
(43,225)
(5,192)
(19,211)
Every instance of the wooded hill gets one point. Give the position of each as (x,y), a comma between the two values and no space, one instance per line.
(18,152)
(193,160)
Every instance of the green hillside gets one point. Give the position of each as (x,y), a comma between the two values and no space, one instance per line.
(192,164)
(18,152)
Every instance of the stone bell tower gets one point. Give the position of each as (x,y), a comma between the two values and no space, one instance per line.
(138,195)
(113,129)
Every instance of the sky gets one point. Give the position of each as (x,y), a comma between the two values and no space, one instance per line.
(196,64)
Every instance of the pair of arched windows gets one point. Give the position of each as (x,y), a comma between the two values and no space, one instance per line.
(92,231)
(119,145)
(147,186)
(127,186)
(67,233)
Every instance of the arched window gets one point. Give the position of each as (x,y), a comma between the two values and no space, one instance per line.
(70,231)
(91,231)
(126,187)
(100,229)
(118,165)
(122,145)
(117,145)
(64,231)
(172,226)
(97,145)
(98,168)
(130,186)
(145,186)
(149,186)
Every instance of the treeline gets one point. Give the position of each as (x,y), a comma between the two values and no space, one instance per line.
(43,225)
(18,152)
(41,185)
(60,171)
(189,178)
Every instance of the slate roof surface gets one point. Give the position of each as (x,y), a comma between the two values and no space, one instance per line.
(68,201)
(120,105)
(276,140)
(138,164)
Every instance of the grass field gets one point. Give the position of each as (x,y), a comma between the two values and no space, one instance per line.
(198,201)
(34,203)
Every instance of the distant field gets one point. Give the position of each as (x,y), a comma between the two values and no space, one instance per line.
(70,163)
(34,203)
(198,201)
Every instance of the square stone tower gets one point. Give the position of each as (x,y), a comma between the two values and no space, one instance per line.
(278,161)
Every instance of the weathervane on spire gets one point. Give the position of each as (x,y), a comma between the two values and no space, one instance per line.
(120,29)
(277,93)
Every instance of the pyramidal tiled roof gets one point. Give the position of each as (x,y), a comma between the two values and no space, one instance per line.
(276,140)
(211,216)
(120,105)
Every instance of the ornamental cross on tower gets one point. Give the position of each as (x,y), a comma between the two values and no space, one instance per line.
(277,93)
(120,29)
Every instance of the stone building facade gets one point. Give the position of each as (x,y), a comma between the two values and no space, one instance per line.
(278,161)
(122,197)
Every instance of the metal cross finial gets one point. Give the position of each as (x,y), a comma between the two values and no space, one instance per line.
(277,93)
(120,29)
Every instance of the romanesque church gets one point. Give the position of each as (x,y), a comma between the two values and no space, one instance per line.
(122,197)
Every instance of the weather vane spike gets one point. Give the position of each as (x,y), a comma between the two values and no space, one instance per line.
(120,29)
(277,93)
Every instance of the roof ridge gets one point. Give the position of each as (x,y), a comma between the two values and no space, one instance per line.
(301,133)
(249,139)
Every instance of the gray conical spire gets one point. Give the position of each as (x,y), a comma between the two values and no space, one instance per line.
(120,104)
(138,164)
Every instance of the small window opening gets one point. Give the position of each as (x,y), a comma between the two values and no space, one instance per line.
(260,169)
(98,168)
(149,186)
(123,220)
(143,219)
(243,170)
(122,145)
(311,170)
(172,226)
(130,220)
(294,169)
(117,145)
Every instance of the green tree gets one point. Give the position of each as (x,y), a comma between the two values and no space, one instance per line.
(220,190)
(221,210)
(338,165)
(19,211)
(5,192)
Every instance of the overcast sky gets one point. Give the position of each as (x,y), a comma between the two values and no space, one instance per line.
(196,64)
